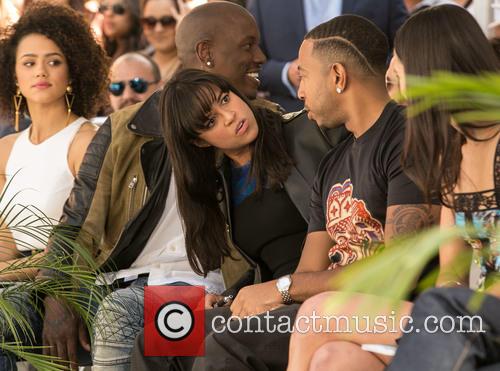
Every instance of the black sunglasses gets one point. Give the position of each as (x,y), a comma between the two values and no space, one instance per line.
(137,84)
(150,22)
(117,9)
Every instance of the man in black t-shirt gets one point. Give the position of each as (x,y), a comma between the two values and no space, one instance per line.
(360,199)
(357,182)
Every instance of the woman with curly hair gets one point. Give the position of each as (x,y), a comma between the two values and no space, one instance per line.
(121,27)
(46,57)
(56,73)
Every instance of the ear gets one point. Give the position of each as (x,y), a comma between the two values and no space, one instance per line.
(338,75)
(204,54)
(201,143)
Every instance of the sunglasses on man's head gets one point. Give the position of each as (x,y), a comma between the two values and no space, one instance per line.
(117,9)
(137,84)
(150,22)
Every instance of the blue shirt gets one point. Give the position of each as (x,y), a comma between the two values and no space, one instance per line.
(241,184)
(320,11)
(315,13)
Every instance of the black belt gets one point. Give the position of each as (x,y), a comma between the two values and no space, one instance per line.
(121,283)
(25,253)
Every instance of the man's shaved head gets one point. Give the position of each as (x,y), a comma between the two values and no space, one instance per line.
(222,38)
(204,23)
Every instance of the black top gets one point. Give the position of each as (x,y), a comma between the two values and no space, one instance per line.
(269,228)
(356,182)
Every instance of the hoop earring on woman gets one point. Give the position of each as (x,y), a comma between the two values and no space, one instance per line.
(18,99)
(70,98)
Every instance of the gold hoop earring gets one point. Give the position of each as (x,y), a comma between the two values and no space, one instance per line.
(70,98)
(18,99)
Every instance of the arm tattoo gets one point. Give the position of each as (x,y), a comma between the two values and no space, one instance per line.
(407,219)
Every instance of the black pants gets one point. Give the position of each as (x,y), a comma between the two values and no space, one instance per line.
(232,350)
(460,350)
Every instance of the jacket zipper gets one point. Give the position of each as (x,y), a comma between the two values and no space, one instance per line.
(132,186)
(144,196)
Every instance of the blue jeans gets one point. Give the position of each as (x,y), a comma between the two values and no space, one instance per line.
(457,351)
(24,306)
(119,319)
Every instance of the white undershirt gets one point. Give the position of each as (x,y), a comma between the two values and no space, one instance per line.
(164,256)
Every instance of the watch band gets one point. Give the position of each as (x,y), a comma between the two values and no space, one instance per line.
(285,297)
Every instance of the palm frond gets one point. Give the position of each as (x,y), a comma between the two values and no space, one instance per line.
(74,283)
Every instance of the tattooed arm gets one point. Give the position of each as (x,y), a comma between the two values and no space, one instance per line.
(408,219)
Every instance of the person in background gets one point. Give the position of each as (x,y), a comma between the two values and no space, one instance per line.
(417,5)
(134,77)
(121,27)
(495,42)
(159,21)
(283,24)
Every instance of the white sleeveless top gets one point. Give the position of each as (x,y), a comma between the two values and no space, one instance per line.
(38,182)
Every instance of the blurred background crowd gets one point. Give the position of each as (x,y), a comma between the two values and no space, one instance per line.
(147,29)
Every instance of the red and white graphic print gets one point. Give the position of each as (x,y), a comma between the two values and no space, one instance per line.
(350,225)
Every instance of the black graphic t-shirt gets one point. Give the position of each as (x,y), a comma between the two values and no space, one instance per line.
(356,182)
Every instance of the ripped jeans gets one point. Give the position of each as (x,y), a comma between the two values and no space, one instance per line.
(118,320)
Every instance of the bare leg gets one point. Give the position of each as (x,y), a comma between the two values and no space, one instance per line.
(360,319)
(343,355)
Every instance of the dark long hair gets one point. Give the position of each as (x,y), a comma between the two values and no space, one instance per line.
(441,38)
(134,40)
(185,104)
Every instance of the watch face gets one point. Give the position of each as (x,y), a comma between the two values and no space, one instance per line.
(284,283)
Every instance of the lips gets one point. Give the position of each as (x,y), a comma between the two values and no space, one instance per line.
(42,85)
(254,75)
(241,127)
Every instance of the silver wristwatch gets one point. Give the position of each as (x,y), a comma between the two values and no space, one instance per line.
(283,285)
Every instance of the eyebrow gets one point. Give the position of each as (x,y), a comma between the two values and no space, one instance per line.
(247,39)
(46,55)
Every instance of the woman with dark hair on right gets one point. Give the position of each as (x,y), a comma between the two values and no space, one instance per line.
(232,166)
(453,163)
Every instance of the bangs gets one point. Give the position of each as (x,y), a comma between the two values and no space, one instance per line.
(200,98)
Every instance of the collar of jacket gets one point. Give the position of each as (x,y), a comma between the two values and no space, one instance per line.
(147,120)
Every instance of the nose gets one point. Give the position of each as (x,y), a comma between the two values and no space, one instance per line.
(228,116)
(259,56)
(300,92)
(158,27)
(41,71)
(129,94)
(108,12)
